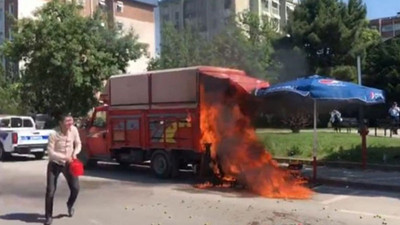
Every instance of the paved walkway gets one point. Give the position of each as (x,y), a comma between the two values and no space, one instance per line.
(369,179)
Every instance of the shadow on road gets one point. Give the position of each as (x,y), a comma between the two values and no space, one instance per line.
(24,217)
(20,158)
(141,175)
(28,217)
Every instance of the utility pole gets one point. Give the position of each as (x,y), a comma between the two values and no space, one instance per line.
(363,130)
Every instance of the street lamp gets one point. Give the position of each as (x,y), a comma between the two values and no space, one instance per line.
(363,130)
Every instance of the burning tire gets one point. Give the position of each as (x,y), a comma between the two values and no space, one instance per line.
(161,164)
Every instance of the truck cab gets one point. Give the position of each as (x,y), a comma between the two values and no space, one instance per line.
(94,137)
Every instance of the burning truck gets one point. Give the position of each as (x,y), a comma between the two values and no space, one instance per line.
(198,116)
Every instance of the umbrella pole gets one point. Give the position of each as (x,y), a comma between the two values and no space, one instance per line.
(315,143)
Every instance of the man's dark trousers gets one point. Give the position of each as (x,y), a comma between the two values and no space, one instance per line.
(53,171)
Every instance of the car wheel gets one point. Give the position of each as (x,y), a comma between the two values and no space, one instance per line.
(4,155)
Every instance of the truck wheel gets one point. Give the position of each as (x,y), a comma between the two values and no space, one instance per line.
(4,155)
(90,164)
(124,165)
(161,164)
(39,155)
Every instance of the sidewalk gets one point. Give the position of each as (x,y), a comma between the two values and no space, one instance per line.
(357,178)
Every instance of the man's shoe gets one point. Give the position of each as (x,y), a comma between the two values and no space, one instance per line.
(48,221)
(71,211)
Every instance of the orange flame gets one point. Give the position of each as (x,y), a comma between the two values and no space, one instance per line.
(241,156)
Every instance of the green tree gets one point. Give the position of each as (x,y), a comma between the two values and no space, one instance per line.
(67,56)
(383,68)
(245,43)
(332,34)
(179,49)
(10,101)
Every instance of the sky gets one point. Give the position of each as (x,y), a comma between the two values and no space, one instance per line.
(382,8)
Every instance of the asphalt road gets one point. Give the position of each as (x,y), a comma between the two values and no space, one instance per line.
(113,196)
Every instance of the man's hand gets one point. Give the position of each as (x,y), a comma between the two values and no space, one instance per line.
(70,159)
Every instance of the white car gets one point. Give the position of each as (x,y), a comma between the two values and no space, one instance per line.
(18,134)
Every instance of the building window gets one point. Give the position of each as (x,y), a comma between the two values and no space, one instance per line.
(11,8)
(266,4)
(214,23)
(214,6)
(275,8)
(10,34)
(166,18)
(120,6)
(102,3)
(120,26)
(228,4)
(177,16)
(81,2)
(265,18)
(391,28)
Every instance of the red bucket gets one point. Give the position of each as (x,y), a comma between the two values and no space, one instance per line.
(76,168)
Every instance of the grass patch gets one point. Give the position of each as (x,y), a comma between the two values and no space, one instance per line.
(332,146)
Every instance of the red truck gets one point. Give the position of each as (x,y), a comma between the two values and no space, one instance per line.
(156,116)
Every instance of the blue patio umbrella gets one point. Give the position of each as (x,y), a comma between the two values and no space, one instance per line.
(323,89)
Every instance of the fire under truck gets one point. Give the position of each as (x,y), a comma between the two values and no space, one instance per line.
(155,116)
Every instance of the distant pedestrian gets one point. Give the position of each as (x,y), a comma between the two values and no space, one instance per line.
(336,119)
(64,146)
(394,113)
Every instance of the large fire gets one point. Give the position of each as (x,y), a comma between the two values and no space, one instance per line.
(240,155)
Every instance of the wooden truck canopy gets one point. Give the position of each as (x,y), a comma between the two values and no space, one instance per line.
(169,88)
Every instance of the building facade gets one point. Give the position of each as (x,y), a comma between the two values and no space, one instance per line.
(210,16)
(127,14)
(388,27)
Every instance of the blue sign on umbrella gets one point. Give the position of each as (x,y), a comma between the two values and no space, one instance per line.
(325,89)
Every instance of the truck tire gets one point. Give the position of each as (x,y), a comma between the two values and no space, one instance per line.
(39,155)
(90,164)
(4,155)
(123,165)
(161,164)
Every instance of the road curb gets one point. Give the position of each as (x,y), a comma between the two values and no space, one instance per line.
(359,185)
(341,164)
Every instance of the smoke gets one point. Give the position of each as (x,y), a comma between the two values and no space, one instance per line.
(290,62)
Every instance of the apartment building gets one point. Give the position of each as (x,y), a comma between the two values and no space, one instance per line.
(209,17)
(388,27)
(138,15)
